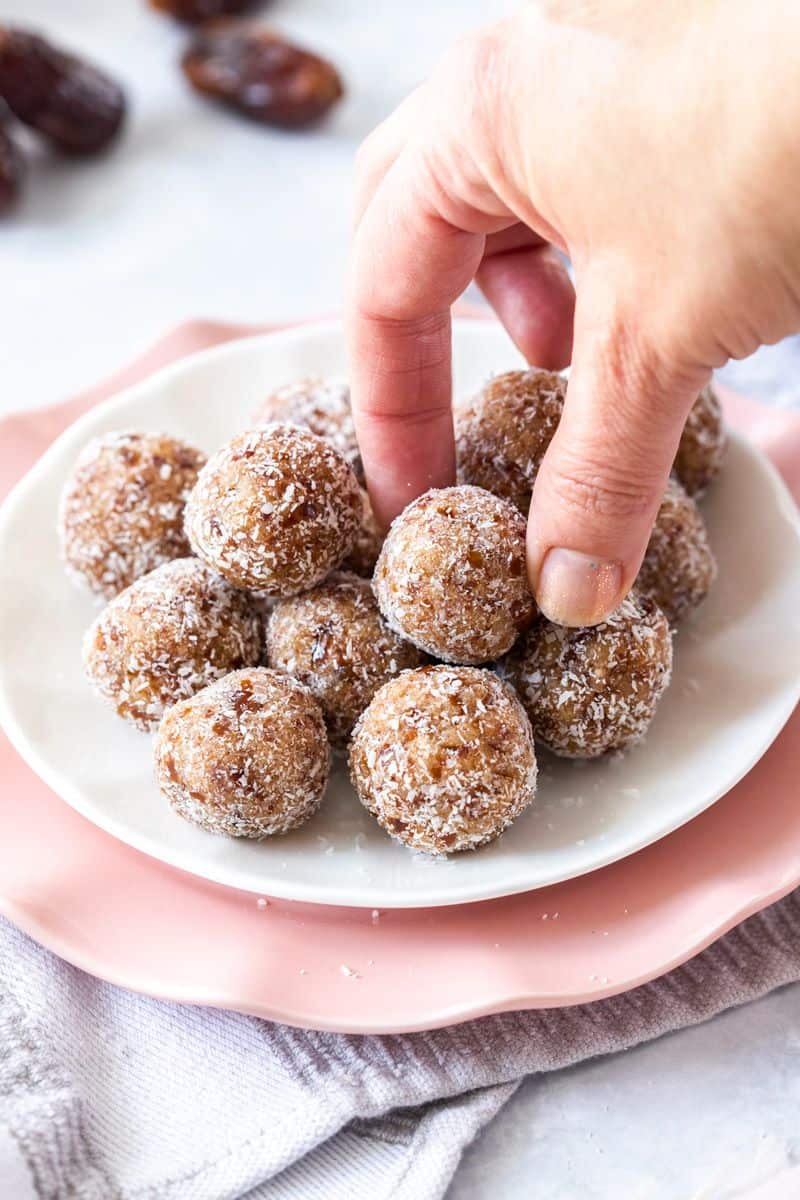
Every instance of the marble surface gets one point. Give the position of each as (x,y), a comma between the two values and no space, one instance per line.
(708,1113)
(199,214)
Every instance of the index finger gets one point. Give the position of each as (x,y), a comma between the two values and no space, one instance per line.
(408,266)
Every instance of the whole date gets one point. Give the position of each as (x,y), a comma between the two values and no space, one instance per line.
(194,11)
(76,106)
(254,70)
(12,170)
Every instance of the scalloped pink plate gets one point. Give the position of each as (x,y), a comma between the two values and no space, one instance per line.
(139,923)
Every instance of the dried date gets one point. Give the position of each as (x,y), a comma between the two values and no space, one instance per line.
(194,11)
(74,104)
(254,70)
(12,170)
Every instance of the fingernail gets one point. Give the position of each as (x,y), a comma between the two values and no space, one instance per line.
(577,589)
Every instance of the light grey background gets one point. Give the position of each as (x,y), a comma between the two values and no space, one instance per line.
(197,213)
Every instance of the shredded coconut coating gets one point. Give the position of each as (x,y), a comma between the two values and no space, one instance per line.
(367,546)
(247,756)
(679,566)
(592,690)
(121,512)
(334,640)
(275,510)
(703,444)
(444,758)
(502,433)
(167,636)
(451,575)
(321,405)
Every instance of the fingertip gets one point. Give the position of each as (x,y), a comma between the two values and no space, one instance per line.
(576,589)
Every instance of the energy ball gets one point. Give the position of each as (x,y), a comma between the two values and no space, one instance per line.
(246,756)
(444,758)
(334,640)
(679,567)
(502,433)
(275,510)
(122,508)
(367,546)
(321,405)
(451,575)
(167,636)
(591,690)
(703,443)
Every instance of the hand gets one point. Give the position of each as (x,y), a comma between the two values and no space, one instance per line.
(656,144)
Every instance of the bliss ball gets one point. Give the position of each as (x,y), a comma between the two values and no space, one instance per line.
(321,405)
(444,758)
(246,756)
(591,690)
(451,575)
(167,636)
(703,443)
(367,546)
(275,510)
(679,566)
(502,433)
(334,640)
(121,511)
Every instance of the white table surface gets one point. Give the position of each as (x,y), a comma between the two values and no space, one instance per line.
(197,213)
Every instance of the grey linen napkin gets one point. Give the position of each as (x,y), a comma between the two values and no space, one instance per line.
(108,1095)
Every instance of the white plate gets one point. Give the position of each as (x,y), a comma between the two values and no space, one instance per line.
(736,679)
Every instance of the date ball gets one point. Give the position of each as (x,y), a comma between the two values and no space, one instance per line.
(444,758)
(679,566)
(321,405)
(276,509)
(502,433)
(451,575)
(334,640)
(246,756)
(122,508)
(592,690)
(703,443)
(167,636)
(369,541)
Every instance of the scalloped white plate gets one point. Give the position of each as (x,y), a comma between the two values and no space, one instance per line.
(736,679)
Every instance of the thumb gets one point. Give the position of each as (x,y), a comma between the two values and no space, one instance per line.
(603,477)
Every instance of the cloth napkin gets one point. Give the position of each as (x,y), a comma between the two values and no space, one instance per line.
(109,1095)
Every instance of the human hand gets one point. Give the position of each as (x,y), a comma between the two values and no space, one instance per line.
(656,145)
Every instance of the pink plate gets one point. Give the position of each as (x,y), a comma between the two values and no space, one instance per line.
(143,925)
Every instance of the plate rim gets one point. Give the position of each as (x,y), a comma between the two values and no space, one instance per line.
(505,1001)
(48,925)
(309,892)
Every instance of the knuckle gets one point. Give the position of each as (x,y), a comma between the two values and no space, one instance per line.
(472,68)
(600,491)
(368,153)
(641,373)
(478,54)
